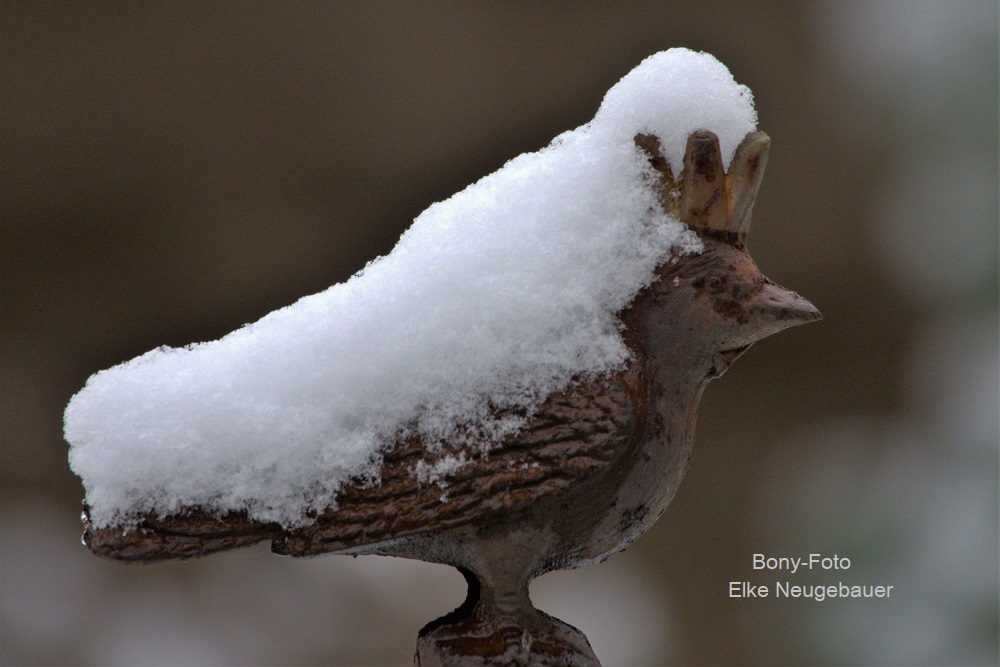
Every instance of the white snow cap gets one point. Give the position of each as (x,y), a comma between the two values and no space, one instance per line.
(495,297)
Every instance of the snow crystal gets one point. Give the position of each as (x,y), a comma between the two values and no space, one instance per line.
(433,472)
(493,298)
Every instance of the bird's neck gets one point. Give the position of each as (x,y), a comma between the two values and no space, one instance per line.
(672,363)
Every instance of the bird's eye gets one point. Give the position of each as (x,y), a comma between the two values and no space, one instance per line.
(711,284)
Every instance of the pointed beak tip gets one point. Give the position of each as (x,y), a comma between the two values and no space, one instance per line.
(799,311)
(784,308)
(809,312)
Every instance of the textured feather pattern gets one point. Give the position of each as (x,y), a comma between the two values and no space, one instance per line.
(572,436)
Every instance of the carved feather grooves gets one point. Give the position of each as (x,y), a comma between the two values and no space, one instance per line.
(572,436)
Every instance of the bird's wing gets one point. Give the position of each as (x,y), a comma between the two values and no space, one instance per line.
(192,533)
(571,436)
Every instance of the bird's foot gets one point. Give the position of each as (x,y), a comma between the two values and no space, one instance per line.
(536,639)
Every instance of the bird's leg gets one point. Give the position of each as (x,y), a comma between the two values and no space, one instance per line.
(497,624)
(506,629)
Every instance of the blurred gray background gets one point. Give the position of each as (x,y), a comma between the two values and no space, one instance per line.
(169,173)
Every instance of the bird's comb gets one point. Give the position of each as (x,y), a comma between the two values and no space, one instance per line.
(705,195)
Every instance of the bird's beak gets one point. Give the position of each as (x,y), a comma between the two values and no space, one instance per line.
(771,310)
(775,308)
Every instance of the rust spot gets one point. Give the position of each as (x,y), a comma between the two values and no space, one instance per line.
(632,516)
(731,309)
(651,144)
(710,284)
(540,646)
(735,239)
(704,165)
(490,646)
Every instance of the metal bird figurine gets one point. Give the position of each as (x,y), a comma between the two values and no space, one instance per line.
(595,466)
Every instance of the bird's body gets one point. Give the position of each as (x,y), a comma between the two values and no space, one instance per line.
(592,464)
(595,466)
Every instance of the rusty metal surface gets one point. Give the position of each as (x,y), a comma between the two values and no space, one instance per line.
(594,467)
(573,434)
(550,642)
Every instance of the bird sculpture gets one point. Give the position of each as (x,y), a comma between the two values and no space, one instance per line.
(592,465)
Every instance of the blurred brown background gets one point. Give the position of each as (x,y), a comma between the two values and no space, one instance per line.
(169,173)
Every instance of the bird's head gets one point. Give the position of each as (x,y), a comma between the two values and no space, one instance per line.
(705,309)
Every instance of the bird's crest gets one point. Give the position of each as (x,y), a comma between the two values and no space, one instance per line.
(705,195)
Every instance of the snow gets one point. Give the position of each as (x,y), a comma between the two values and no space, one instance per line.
(493,298)
(433,472)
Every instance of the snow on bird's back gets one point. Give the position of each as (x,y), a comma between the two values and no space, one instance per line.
(493,298)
